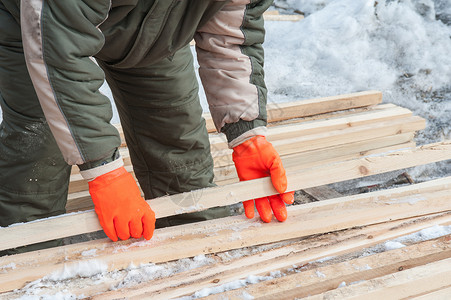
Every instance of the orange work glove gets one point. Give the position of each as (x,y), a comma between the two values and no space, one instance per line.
(121,209)
(256,158)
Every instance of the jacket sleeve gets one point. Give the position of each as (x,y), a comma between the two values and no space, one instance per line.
(59,40)
(230,55)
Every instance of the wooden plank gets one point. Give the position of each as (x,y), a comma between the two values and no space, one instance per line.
(440,294)
(300,253)
(227,175)
(212,273)
(37,231)
(381,113)
(331,115)
(400,285)
(339,137)
(221,234)
(303,142)
(290,131)
(309,107)
(308,159)
(329,132)
(322,279)
(378,113)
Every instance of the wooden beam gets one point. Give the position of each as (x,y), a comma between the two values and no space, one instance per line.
(221,234)
(392,120)
(322,279)
(37,231)
(386,112)
(441,294)
(401,285)
(308,159)
(261,263)
(301,141)
(321,117)
(304,108)
(361,120)
(335,138)
(227,175)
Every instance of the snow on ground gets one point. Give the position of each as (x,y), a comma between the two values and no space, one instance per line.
(397,47)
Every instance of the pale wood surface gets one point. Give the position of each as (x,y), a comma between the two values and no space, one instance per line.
(293,139)
(237,232)
(309,107)
(308,159)
(300,253)
(28,233)
(440,294)
(307,137)
(227,175)
(323,279)
(400,285)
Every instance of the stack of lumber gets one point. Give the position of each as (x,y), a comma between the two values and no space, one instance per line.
(318,248)
(306,133)
(335,248)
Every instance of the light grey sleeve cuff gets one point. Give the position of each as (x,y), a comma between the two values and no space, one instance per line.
(91,174)
(248,135)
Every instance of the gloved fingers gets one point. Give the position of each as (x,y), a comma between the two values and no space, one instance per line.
(278,207)
(108,228)
(148,223)
(122,229)
(249,208)
(278,175)
(264,209)
(135,227)
(288,197)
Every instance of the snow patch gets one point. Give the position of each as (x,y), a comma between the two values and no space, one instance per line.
(91,252)
(320,274)
(429,233)
(408,199)
(391,245)
(85,268)
(10,266)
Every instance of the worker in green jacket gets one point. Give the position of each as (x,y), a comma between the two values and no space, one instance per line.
(54,115)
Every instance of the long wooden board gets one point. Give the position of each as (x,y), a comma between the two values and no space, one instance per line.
(309,107)
(279,258)
(227,175)
(301,141)
(322,279)
(28,233)
(314,158)
(257,259)
(401,285)
(291,131)
(221,234)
